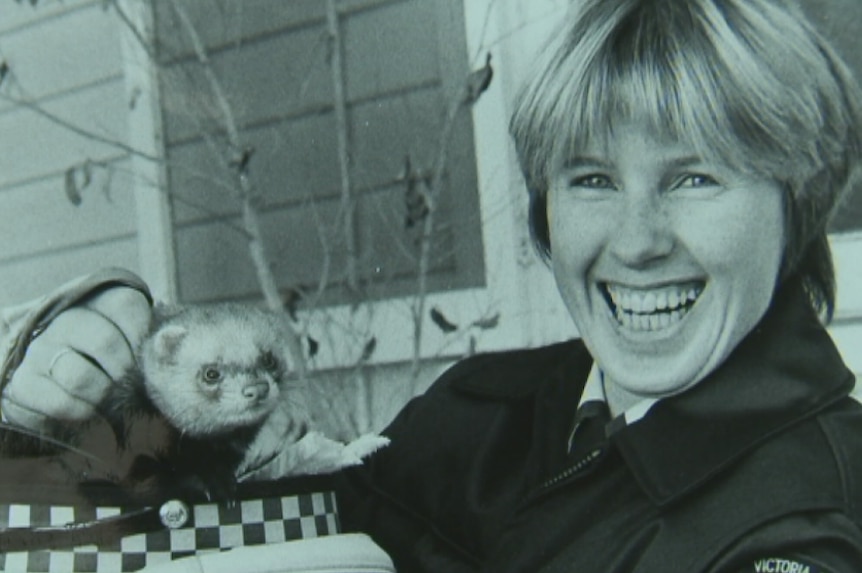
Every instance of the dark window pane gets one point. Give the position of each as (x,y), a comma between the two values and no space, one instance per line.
(402,60)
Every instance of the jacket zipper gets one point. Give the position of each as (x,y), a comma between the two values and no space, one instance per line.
(572,470)
(548,485)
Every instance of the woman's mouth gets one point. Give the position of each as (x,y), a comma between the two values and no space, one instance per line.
(650,309)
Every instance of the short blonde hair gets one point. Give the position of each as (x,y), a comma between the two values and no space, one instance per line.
(747,82)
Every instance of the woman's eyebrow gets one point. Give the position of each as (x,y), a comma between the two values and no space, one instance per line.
(581,161)
(683,161)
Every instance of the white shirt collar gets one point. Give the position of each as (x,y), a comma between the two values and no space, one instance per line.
(594,390)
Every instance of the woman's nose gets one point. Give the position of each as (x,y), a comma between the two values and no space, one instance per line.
(642,233)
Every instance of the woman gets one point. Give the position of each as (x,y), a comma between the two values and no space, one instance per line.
(682,159)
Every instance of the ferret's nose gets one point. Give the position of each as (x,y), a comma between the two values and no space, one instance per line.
(256,392)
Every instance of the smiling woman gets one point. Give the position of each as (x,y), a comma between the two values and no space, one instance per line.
(683,158)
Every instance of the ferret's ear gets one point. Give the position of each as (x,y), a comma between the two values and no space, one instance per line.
(167,342)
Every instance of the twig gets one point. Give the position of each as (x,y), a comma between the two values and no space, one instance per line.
(229,124)
(348,202)
(431,194)
(480,48)
(145,45)
(36,108)
(250,214)
(323,281)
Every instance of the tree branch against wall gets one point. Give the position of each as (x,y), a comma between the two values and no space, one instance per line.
(224,136)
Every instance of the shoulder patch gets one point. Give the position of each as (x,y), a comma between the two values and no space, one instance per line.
(784,565)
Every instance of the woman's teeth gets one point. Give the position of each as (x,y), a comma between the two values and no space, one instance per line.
(651,310)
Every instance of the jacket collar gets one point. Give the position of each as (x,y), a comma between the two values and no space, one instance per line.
(786,370)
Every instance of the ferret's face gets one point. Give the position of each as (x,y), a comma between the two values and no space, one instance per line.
(243,390)
(213,380)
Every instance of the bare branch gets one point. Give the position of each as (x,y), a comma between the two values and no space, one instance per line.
(230,124)
(474,85)
(145,45)
(323,281)
(250,214)
(74,128)
(348,202)
(431,194)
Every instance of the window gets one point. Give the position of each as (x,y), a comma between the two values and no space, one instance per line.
(402,61)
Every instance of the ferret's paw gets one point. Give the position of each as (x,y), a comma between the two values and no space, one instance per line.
(364,446)
(317,454)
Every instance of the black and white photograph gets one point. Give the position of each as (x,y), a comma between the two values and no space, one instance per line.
(430,286)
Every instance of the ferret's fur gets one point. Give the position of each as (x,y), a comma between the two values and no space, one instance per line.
(211,376)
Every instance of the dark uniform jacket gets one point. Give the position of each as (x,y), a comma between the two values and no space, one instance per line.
(757,468)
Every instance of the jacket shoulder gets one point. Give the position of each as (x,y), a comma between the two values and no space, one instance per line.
(798,491)
(475,422)
(512,374)
(479,402)
(842,426)
(813,510)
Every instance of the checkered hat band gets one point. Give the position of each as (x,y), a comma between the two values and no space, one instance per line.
(211,527)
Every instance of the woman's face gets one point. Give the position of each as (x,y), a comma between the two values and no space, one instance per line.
(664,260)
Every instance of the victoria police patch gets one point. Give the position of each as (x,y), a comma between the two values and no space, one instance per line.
(784,565)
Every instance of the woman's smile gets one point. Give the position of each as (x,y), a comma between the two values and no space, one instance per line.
(650,309)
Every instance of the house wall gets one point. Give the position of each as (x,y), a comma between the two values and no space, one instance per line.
(64,57)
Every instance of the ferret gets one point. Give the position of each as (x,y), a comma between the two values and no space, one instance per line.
(205,381)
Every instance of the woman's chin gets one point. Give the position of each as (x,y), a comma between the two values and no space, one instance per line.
(659,375)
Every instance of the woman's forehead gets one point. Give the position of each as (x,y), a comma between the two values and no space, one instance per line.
(670,107)
(609,136)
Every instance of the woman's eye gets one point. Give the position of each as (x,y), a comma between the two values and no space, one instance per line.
(695,180)
(592,181)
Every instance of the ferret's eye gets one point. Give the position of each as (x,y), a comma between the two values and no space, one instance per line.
(268,361)
(211,375)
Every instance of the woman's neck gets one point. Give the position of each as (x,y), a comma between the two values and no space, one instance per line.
(619,399)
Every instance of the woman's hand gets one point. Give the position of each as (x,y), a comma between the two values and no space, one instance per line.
(69,367)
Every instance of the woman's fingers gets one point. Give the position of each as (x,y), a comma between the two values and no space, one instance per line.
(127,308)
(54,403)
(70,366)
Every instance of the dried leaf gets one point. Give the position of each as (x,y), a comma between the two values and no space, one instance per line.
(71,186)
(441,321)
(291,299)
(313,347)
(415,194)
(488,322)
(368,349)
(134,96)
(478,81)
(241,160)
(87,172)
